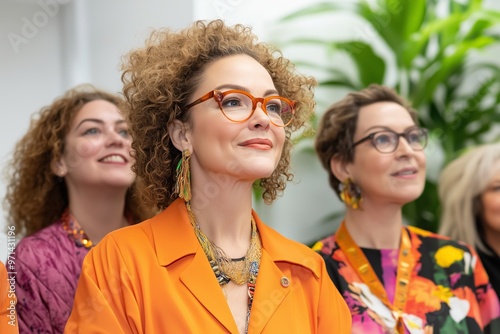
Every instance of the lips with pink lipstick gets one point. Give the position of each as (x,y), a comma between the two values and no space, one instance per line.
(258,143)
(114,158)
(406,172)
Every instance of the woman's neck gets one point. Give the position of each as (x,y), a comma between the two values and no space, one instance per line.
(225,217)
(98,211)
(492,238)
(378,228)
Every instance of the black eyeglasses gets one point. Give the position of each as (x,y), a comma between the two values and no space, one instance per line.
(238,106)
(387,141)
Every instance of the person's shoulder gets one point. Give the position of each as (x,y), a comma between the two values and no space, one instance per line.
(131,249)
(137,231)
(46,242)
(268,232)
(283,249)
(425,233)
(439,240)
(47,255)
(326,245)
(127,240)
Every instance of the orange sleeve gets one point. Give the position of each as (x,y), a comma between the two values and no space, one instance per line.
(333,314)
(104,299)
(8,316)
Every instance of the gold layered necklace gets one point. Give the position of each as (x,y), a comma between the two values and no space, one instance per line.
(240,270)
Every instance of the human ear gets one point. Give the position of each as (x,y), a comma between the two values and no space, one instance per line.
(178,134)
(59,167)
(339,168)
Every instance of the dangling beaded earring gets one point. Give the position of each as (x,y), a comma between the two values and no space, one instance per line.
(183,175)
(350,193)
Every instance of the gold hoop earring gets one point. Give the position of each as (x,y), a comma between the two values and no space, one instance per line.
(183,175)
(350,193)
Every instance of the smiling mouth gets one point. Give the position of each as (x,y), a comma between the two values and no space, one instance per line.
(262,144)
(258,146)
(113,158)
(405,172)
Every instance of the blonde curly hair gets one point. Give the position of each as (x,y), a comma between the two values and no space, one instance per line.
(159,80)
(36,197)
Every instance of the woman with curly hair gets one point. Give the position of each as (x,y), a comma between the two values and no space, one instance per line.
(71,183)
(211,111)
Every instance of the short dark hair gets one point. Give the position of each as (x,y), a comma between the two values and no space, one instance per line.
(337,127)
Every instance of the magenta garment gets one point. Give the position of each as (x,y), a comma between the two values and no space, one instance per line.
(48,265)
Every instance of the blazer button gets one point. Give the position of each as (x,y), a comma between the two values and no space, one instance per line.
(285,282)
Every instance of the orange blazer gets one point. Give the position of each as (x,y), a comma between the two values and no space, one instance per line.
(8,316)
(154,277)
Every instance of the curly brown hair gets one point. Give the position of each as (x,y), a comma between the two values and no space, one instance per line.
(36,197)
(159,80)
(337,127)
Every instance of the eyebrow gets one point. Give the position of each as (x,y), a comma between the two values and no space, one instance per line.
(233,86)
(385,128)
(95,120)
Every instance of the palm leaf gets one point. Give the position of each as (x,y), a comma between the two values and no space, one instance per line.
(432,55)
(319,8)
(371,67)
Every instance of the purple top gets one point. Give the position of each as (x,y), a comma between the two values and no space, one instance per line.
(48,265)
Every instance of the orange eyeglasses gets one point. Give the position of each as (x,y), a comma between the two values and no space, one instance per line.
(238,106)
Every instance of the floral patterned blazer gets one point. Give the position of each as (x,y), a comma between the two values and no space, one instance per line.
(448,292)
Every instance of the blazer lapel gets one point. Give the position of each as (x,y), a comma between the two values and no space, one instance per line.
(200,280)
(174,239)
(269,293)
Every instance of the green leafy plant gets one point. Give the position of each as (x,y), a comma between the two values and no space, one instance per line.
(433,54)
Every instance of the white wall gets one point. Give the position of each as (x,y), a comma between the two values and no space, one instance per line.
(48,46)
(30,74)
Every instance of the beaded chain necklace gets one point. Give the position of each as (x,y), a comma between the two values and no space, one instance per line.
(75,231)
(240,270)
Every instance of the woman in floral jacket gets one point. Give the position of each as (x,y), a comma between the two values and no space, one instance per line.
(394,278)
